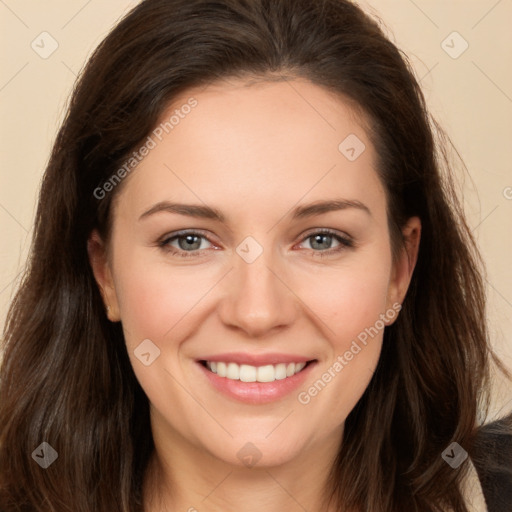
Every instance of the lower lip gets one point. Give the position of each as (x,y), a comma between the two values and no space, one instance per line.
(257,392)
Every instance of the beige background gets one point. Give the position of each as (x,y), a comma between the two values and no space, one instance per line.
(470,95)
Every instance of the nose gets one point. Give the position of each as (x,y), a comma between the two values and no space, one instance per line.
(258,300)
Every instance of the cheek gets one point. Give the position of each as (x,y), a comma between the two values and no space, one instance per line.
(158,303)
(156,299)
(350,304)
(347,300)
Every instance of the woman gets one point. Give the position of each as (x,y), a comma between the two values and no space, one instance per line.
(251,285)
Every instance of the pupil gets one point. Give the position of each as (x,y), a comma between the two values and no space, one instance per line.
(318,238)
(190,242)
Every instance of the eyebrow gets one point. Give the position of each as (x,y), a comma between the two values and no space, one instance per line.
(301,212)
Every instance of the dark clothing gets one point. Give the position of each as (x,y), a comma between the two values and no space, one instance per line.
(492,459)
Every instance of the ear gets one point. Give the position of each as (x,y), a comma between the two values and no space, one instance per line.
(403,267)
(98,258)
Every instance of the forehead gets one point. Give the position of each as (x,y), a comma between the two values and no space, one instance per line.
(261,144)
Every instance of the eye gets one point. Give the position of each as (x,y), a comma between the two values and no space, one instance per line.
(321,242)
(184,242)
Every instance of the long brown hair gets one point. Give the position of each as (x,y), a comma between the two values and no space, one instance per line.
(66,378)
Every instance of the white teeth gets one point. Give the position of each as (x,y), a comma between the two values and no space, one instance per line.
(248,373)
(280,371)
(221,369)
(266,373)
(233,371)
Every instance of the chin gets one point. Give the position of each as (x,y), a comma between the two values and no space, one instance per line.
(253,451)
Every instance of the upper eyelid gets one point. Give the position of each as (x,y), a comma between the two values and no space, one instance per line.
(330,231)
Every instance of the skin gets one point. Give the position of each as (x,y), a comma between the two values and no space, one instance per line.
(255,153)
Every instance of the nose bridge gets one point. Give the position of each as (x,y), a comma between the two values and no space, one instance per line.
(258,300)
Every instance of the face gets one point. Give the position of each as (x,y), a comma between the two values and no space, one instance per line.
(250,265)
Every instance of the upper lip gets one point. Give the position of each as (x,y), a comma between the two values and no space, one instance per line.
(256,359)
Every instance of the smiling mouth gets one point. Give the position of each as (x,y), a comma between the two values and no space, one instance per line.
(248,373)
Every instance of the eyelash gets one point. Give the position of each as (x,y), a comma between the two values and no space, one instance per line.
(345,243)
